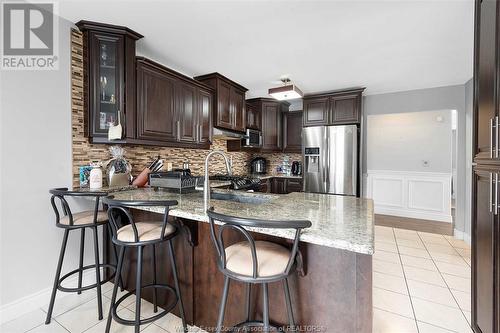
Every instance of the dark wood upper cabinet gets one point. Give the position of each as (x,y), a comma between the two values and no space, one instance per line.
(229,112)
(292,132)
(271,119)
(333,108)
(315,111)
(155,104)
(172,110)
(109,75)
(254,119)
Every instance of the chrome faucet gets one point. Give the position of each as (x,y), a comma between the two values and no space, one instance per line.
(206,185)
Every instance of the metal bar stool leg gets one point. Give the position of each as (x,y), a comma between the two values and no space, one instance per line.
(119,265)
(58,275)
(265,307)
(289,310)
(154,278)
(222,307)
(97,273)
(82,245)
(116,257)
(177,287)
(249,301)
(138,283)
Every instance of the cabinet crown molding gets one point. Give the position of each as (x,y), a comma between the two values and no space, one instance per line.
(335,92)
(110,28)
(219,76)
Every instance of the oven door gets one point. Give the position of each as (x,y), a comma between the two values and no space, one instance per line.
(253,139)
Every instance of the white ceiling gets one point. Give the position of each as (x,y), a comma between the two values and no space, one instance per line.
(385,46)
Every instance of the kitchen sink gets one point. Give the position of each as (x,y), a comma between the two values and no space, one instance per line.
(244,198)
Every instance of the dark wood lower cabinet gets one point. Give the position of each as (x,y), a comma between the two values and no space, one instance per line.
(281,185)
(331,293)
(485,255)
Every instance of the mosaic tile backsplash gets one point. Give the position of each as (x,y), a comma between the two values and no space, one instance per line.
(140,156)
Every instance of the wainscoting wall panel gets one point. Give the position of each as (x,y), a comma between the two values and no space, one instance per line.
(421,195)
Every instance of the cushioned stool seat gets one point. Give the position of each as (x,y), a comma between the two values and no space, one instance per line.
(272,258)
(147,231)
(86,217)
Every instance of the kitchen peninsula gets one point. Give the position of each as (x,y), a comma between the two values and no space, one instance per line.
(333,292)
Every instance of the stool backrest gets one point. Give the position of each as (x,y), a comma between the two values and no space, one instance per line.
(119,214)
(238,224)
(60,194)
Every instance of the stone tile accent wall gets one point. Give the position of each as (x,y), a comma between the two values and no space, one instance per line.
(139,156)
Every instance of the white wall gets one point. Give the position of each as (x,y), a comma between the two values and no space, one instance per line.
(441,98)
(35,132)
(403,141)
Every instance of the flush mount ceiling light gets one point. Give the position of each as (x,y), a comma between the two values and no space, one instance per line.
(287,91)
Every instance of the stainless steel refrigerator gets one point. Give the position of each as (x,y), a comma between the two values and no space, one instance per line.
(331,159)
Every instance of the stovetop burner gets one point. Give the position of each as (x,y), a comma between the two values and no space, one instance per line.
(238,182)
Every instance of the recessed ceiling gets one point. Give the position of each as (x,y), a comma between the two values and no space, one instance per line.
(385,46)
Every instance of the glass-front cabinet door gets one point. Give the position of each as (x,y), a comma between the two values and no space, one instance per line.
(107,81)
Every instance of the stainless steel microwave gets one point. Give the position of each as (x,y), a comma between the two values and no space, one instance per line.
(253,138)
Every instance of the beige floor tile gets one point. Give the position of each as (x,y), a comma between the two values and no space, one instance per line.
(444,249)
(392,302)
(468,261)
(147,308)
(457,282)
(154,329)
(25,322)
(433,239)
(67,301)
(410,251)
(431,293)
(170,322)
(459,270)
(116,327)
(464,252)
(440,315)
(418,262)
(129,300)
(84,316)
(388,267)
(53,327)
(450,259)
(428,328)
(385,239)
(389,247)
(459,243)
(424,275)
(467,315)
(390,282)
(381,230)
(387,322)
(386,256)
(406,234)
(463,299)
(411,243)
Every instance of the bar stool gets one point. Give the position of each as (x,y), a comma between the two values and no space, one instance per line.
(254,262)
(139,234)
(79,221)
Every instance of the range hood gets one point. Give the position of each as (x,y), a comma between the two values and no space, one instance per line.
(227,135)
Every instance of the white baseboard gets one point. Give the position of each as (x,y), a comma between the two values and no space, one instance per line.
(462,235)
(36,300)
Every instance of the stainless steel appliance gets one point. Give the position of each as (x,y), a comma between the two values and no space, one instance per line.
(331,159)
(258,165)
(253,138)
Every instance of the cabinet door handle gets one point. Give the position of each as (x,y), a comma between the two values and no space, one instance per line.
(496,194)
(491,193)
(199,133)
(491,137)
(496,137)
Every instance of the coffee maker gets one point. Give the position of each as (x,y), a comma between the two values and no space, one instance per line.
(296,168)
(258,165)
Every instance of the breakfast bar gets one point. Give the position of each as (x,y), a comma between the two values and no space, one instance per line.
(333,290)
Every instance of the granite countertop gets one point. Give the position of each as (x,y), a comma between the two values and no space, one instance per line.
(266,176)
(340,222)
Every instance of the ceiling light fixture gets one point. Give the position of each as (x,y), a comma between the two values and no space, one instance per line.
(287,91)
